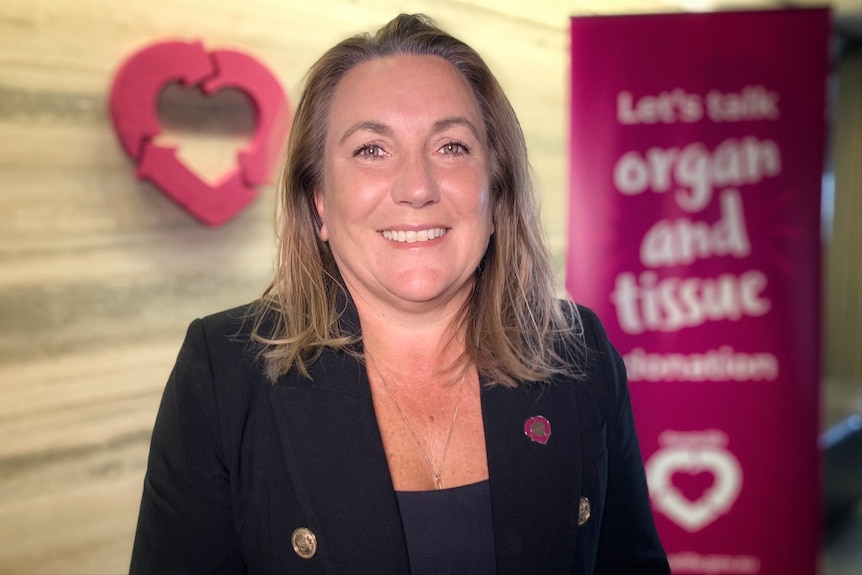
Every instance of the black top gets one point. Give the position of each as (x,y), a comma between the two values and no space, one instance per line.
(449,531)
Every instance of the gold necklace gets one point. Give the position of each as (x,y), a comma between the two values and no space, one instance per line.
(438,483)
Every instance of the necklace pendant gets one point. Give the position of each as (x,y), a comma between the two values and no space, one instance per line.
(437,482)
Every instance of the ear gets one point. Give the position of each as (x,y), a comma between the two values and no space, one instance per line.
(318,203)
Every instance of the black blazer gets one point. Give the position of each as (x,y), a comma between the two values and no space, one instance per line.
(238,463)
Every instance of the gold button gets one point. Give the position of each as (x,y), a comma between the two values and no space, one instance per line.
(583,511)
(304,542)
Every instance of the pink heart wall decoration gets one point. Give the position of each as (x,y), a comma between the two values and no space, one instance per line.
(133,105)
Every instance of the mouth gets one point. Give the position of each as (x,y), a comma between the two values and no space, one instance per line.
(413,236)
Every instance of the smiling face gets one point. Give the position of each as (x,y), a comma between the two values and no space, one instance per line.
(405,204)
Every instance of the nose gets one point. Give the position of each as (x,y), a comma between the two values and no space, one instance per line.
(415,184)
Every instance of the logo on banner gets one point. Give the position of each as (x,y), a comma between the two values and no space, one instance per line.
(693,479)
(133,102)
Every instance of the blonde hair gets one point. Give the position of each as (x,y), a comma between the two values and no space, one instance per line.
(513,320)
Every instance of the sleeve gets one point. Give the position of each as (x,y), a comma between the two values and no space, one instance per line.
(628,541)
(186,521)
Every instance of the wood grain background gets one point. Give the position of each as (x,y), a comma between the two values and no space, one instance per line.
(100,274)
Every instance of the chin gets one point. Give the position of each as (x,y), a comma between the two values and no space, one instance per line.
(418,295)
(424,289)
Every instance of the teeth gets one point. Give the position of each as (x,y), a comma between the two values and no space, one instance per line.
(413,237)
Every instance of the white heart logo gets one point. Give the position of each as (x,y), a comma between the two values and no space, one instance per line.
(715,501)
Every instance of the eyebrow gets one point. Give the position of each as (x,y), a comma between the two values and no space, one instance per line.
(375,127)
(441,125)
(384,130)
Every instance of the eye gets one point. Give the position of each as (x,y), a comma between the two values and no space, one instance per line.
(454,148)
(369,151)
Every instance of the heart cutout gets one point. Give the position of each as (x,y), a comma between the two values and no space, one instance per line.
(692,486)
(668,465)
(207,131)
(134,99)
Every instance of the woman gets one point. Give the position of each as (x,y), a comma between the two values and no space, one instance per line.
(408,395)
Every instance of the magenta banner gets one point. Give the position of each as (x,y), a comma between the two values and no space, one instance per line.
(697,145)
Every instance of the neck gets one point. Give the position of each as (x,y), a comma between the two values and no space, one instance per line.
(423,351)
(420,317)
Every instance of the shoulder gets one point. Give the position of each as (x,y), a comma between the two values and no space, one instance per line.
(586,340)
(228,332)
(584,322)
(218,353)
(230,323)
(587,331)
(603,371)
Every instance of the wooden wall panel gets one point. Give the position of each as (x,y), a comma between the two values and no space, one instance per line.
(843,265)
(100,274)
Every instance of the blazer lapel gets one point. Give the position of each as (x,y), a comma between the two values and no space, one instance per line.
(535,487)
(335,458)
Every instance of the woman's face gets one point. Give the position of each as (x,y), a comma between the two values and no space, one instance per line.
(405,203)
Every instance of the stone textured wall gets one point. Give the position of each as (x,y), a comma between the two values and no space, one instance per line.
(100,273)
